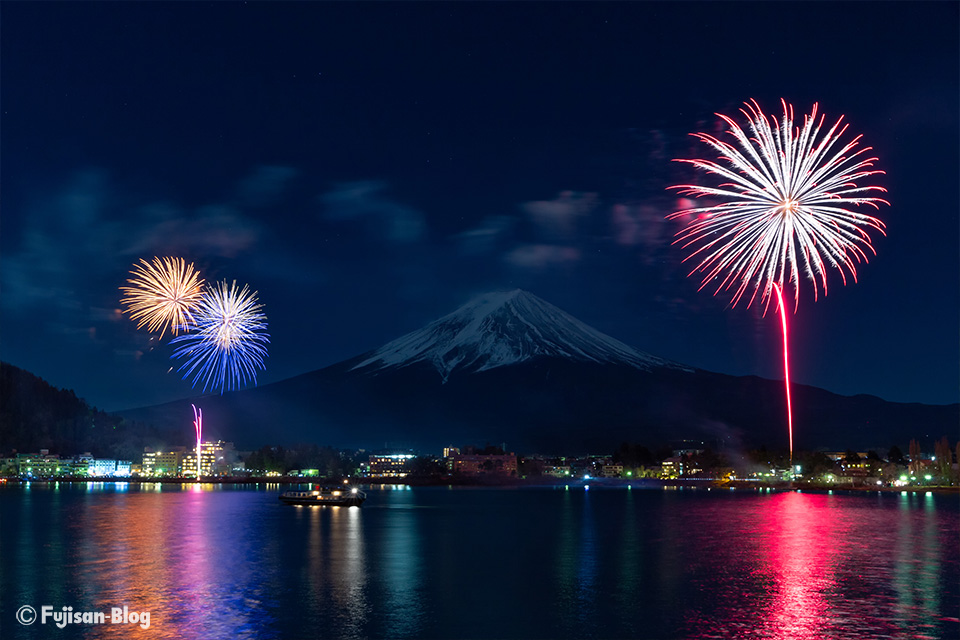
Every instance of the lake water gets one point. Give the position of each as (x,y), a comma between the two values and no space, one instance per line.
(220,561)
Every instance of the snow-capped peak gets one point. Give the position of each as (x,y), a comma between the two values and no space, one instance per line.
(504,328)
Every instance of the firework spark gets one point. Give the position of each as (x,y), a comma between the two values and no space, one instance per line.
(228,342)
(163,294)
(783,206)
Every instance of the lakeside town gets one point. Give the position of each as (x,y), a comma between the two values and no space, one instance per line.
(685,461)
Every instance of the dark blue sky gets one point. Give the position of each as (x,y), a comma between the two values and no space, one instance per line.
(370,167)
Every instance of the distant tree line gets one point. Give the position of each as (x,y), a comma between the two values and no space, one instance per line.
(812,463)
(328,461)
(35,415)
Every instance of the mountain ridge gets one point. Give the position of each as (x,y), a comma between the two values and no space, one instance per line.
(499,369)
(500,329)
(36,415)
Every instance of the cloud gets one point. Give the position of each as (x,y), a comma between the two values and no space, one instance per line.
(558,219)
(265,185)
(643,225)
(541,256)
(546,234)
(363,200)
(73,234)
(487,236)
(55,247)
(212,230)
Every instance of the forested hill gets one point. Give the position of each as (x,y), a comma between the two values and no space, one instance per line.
(36,415)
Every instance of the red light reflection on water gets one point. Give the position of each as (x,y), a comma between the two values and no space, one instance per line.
(800,556)
(773,571)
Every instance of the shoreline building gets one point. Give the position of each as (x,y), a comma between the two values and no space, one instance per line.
(216,459)
(389,465)
(473,464)
(47,465)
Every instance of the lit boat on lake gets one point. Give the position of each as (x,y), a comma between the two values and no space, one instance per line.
(338,497)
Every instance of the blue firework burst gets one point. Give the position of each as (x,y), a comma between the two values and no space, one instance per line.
(227,344)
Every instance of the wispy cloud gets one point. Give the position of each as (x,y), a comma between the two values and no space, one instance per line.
(558,220)
(265,185)
(364,200)
(73,239)
(487,236)
(541,256)
(643,226)
(218,230)
(553,231)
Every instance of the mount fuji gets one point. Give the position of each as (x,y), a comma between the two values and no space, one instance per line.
(503,329)
(510,367)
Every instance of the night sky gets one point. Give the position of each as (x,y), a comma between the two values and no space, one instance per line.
(370,167)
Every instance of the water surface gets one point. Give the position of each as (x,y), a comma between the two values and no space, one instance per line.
(218,561)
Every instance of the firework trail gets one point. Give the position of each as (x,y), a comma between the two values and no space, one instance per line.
(198,427)
(783,206)
(227,344)
(163,294)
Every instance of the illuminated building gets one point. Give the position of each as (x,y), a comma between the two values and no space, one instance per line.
(216,458)
(223,457)
(188,464)
(671,467)
(557,471)
(392,465)
(476,464)
(108,468)
(45,465)
(611,470)
(449,452)
(838,456)
(162,463)
(37,465)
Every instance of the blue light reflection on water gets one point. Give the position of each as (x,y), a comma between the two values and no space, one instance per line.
(214,561)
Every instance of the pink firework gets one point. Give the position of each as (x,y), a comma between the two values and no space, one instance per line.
(198,427)
(785,203)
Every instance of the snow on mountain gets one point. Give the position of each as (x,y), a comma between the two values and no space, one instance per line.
(505,328)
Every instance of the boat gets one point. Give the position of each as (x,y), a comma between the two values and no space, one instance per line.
(334,497)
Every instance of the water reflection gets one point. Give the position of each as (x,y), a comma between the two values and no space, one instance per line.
(629,578)
(566,568)
(213,561)
(401,562)
(352,582)
(800,554)
(813,566)
(163,553)
(917,568)
(335,591)
(587,564)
